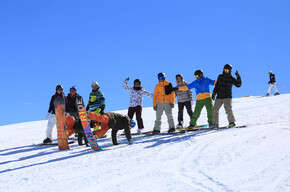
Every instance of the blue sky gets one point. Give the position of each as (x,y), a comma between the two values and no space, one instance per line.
(70,42)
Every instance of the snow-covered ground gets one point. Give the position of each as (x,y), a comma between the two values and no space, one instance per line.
(256,158)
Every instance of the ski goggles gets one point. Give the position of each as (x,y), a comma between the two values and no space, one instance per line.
(72,89)
(161,78)
(196,76)
(59,89)
(227,70)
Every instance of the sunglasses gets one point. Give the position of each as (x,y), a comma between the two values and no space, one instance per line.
(160,78)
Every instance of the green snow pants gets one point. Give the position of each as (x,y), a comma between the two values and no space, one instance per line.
(199,104)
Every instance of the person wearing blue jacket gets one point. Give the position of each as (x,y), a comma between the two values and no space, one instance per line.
(203,97)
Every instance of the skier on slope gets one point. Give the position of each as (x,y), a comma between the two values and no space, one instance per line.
(136,101)
(184,100)
(223,90)
(203,97)
(51,112)
(96,103)
(272,83)
(163,102)
(115,121)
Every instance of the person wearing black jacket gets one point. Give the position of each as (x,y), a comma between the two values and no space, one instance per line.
(223,90)
(73,112)
(51,112)
(272,83)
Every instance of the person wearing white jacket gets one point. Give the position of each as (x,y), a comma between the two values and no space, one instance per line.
(136,101)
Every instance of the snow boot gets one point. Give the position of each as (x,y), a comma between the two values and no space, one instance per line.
(232,124)
(171,130)
(155,132)
(47,140)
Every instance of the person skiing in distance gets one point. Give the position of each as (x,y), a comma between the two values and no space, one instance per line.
(96,103)
(272,83)
(223,90)
(116,122)
(203,97)
(184,100)
(163,102)
(136,101)
(51,111)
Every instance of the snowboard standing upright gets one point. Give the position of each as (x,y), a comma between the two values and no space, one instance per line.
(59,105)
(85,123)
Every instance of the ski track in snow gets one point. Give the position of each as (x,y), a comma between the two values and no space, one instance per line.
(255,158)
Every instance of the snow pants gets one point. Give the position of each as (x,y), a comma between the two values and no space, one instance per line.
(274,87)
(168,111)
(199,104)
(51,123)
(138,111)
(228,108)
(181,106)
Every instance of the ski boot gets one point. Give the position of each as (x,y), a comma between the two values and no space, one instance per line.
(47,140)
(232,124)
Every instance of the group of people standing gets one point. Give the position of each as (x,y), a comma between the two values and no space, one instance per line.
(163,101)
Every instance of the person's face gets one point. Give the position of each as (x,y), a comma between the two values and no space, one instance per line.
(73,91)
(94,87)
(179,79)
(59,91)
(137,85)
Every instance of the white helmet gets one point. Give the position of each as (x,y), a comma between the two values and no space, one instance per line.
(95,83)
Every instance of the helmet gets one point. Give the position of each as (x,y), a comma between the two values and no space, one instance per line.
(178,75)
(198,72)
(59,87)
(132,123)
(161,75)
(228,66)
(137,81)
(95,83)
(73,88)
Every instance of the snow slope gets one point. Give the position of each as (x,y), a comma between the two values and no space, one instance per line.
(256,158)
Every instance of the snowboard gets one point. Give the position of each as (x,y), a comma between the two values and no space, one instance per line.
(59,105)
(85,123)
(195,128)
(53,143)
(146,132)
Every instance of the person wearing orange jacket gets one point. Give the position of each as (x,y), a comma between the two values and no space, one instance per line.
(163,102)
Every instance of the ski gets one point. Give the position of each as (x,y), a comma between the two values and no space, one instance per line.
(85,123)
(59,104)
(146,132)
(207,128)
(44,144)
(164,133)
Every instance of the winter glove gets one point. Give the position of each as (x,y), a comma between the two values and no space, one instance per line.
(47,115)
(130,141)
(155,108)
(213,96)
(127,79)
(102,109)
(175,88)
(237,73)
(172,105)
